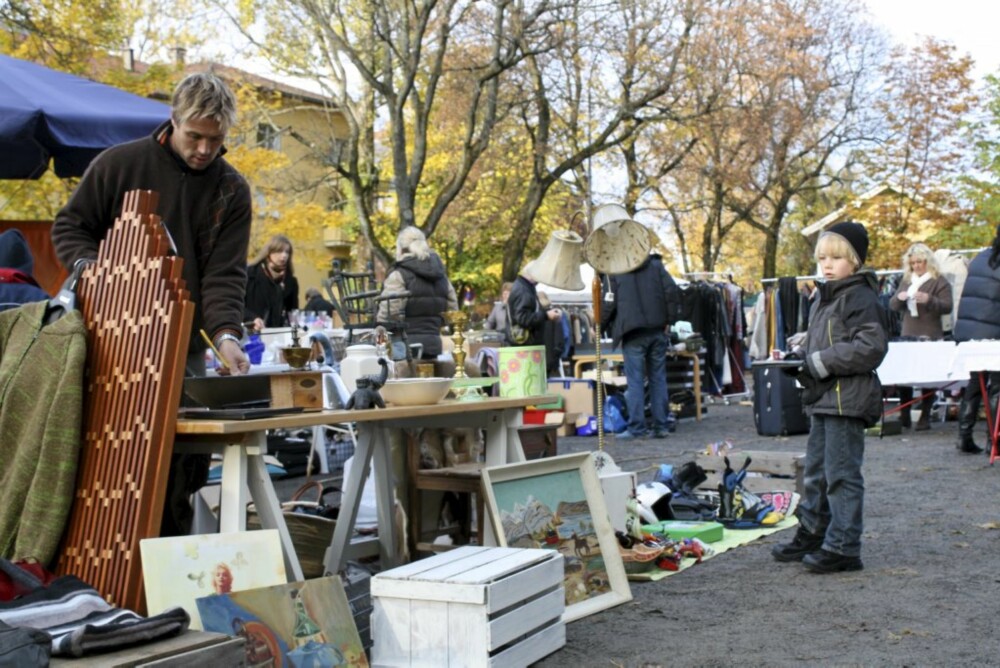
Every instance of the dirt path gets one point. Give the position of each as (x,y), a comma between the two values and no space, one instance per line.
(928,594)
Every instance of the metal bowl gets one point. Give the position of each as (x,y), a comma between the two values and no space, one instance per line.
(297,358)
(415,391)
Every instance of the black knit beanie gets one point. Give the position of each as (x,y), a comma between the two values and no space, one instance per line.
(855,234)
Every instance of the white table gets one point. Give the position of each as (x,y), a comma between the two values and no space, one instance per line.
(243,444)
(981,356)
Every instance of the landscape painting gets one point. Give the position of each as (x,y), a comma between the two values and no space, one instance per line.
(556,503)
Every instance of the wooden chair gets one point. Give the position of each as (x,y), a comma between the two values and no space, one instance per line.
(356,299)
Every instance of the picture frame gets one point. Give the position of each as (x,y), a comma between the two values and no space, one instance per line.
(557,503)
(178,570)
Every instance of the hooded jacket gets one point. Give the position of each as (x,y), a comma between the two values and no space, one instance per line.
(431,294)
(846,342)
(17,281)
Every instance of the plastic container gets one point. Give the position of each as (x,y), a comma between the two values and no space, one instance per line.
(255,349)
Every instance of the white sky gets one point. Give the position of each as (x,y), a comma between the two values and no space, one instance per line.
(971,25)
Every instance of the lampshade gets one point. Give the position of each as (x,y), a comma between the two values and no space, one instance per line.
(559,263)
(617,244)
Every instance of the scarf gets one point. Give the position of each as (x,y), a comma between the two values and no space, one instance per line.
(915,283)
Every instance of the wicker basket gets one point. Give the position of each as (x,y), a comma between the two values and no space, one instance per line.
(640,558)
(311,534)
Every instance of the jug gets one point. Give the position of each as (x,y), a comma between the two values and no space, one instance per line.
(359,360)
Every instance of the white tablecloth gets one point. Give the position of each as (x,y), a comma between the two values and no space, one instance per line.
(921,363)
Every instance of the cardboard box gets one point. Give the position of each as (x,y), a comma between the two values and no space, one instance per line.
(577,393)
(568,427)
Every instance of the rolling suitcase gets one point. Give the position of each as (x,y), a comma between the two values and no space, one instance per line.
(777,403)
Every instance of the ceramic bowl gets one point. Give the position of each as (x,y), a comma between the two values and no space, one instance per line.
(297,358)
(415,391)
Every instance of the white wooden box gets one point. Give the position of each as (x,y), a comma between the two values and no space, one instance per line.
(473,606)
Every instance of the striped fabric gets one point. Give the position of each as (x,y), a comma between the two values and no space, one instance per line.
(81,622)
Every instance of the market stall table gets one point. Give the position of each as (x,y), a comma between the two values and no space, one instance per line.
(243,444)
(984,357)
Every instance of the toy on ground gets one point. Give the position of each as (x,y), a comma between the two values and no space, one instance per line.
(740,508)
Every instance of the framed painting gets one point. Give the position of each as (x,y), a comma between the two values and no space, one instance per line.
(556,503)
(296,624)
(180,569)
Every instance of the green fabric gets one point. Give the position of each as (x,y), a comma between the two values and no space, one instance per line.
(41,408)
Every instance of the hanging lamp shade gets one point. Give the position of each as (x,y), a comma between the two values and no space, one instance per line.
(617,244)
(559,263)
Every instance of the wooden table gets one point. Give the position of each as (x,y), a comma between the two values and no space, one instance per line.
(243,444)
(580,360)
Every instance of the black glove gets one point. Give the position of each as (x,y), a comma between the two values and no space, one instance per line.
(796,370)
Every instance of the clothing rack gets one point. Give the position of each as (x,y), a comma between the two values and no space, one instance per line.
(728,275)
(880,272)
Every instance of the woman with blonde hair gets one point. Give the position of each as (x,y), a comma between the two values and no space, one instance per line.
(924,296)
(272,289)
(420,272)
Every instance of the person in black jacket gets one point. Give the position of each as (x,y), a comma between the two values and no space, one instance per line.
(645,303)
(979,318)
(419,271)
(272,289)
(526,311)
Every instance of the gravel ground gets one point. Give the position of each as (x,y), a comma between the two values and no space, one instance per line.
(927,595)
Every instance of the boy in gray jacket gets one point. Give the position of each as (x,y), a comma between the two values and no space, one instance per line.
(846,342)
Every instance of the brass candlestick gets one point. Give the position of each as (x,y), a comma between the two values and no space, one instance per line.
(458,320)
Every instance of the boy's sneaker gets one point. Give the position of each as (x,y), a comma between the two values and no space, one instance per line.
(804,543)
(661,433)
(831,562)
(627,436)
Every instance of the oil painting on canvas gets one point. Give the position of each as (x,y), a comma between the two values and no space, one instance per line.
(297,625)
(178,570)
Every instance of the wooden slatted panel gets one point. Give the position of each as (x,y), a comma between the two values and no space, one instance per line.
(138,318)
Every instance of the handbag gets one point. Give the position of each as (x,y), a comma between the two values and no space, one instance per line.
(515,333)
(310,526)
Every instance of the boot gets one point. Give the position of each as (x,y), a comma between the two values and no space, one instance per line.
(804,543)
(967,446)
(924,421)
(822,561)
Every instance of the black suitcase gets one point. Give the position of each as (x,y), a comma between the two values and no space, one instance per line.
(777,403)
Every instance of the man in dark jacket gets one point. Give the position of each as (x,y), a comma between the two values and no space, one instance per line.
(17,266)
(204,203)
(645,302)
(979,318)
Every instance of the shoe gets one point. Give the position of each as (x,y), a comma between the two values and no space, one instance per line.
(967,446)
(804,543)
(822,561)
(661,433)
(904,418)
(924,423)
(628,436)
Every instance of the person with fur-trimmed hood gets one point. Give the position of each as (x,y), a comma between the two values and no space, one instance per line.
(419,271)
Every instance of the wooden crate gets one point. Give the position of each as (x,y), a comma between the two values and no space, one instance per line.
(473,606)
(768,472)
(297,389)
(539,440)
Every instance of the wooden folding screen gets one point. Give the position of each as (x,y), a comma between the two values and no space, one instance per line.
(138,319)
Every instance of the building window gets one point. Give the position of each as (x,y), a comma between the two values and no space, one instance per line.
(268,137)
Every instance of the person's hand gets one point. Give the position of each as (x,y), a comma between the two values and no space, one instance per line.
(902,296)
(920,298)
(554,314)
(793,371)
(258,325)
(234,357)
